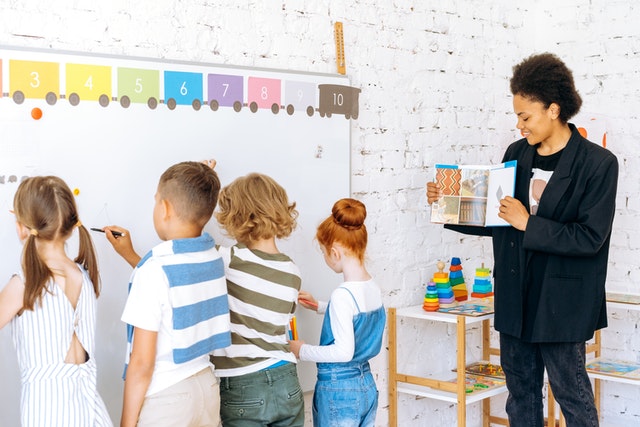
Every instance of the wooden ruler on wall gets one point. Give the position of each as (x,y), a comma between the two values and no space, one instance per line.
(340,61)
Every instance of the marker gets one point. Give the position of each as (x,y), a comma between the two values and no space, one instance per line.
(311,303)
(115,233)
(293,328)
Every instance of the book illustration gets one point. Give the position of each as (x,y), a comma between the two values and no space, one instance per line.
(615,368)
(475,307)
(485,369)
(478,383)
(471,194)
(623,298)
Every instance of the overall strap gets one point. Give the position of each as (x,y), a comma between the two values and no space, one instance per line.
(354,298)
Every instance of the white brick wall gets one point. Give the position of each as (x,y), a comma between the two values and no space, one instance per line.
(434,78)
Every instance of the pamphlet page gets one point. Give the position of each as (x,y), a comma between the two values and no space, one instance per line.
(471,193)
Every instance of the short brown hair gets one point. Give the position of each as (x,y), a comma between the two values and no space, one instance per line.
(256,207)
(192,188)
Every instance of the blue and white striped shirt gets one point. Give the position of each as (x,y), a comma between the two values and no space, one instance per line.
(178,289)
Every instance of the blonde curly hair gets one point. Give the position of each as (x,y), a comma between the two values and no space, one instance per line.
(255,207)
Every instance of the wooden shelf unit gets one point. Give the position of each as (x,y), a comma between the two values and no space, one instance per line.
(455,392)
(441,389)
(596,348)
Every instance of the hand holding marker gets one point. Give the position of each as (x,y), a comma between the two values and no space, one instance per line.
(311,303)
(115,233)
(307,300)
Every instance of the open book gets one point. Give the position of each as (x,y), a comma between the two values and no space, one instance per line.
(471,193)
(614,368)
(470,308)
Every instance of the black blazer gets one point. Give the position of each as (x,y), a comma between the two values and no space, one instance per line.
(573,228)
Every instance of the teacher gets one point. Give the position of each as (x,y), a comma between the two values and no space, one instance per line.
(551,263)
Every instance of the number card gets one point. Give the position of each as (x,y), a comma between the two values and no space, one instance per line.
(183,87)
(138,85)
(34,79)
(299,95)
(224,89)
(263,92)
(88,82)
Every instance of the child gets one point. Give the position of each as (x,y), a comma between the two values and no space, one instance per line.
(177,307)
(345,393)
(52,309)
(258,378)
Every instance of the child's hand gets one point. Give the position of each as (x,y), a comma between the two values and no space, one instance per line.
(210,162)
(307,301)
(122,244)
(295,345)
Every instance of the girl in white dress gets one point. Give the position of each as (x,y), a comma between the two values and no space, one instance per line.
(51,307)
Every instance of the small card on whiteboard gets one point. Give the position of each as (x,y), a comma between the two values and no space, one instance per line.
(471,193)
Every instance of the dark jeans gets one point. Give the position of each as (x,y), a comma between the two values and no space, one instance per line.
(524,364)
(271,397)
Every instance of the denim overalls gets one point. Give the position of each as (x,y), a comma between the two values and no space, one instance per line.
(345,393)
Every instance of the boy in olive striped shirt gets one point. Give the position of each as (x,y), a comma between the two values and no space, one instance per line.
(258,377)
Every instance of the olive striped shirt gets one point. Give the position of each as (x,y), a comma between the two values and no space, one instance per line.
(263,291)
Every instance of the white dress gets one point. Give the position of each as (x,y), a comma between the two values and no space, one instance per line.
(54,393)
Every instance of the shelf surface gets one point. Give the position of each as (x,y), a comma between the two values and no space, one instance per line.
(417,312)
(613,378)
(622,306)
(476,396)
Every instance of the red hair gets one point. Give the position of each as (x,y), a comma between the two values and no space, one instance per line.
(346,227)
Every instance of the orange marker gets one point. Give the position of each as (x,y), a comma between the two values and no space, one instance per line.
(293,326)
(36,113)
(306,301)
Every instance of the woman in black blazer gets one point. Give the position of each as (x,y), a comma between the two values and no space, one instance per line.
(551,264)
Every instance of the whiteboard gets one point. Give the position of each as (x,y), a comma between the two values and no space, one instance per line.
(111,146)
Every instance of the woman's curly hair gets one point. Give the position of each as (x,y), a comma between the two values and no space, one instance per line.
(546,79)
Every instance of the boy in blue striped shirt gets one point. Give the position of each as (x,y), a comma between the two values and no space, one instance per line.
(177,310)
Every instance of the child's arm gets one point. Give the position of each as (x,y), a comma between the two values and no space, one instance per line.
(11,300)
(122,244)
(341,311)
(294,346)
(139,373)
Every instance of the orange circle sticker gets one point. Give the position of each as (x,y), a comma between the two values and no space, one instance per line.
(36,113)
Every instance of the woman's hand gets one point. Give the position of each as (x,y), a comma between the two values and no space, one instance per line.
(514,212)
(433,192)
